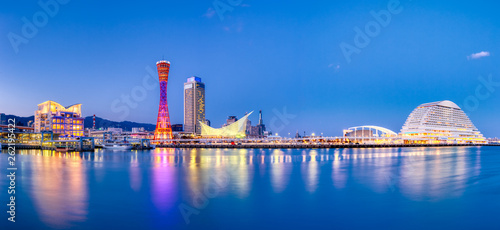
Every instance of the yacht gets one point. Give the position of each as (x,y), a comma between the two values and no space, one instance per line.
(117,146)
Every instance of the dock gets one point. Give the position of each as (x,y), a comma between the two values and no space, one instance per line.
(311,146)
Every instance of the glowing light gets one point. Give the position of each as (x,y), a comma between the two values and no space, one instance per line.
(163,129)
(236,129)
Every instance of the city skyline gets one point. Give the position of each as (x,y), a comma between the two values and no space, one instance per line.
(239,114)
(299,69)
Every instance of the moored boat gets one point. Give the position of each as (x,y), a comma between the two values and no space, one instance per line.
(117,146)
(64,149)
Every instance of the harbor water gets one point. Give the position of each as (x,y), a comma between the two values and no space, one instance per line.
(385,188)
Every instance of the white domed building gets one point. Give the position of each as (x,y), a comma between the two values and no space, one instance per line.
(440,122)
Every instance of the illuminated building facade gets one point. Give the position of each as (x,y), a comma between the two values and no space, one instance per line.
(194,105)
(369,131)
(236,129)
(66,121)
(163,129)
(440,122)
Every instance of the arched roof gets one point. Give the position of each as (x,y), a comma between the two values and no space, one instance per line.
(381,129)
(444,103)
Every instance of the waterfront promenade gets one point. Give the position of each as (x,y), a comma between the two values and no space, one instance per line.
(271,145)
(310,146)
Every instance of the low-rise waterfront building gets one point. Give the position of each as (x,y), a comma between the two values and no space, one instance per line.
(368,131)
(495,140)
(177,128)
(140,129)
(65,121)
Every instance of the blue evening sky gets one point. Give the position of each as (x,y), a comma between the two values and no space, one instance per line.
(278,56)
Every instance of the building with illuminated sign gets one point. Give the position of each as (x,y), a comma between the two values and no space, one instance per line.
(194,105)
(66,121)
(440,122)
(236,129)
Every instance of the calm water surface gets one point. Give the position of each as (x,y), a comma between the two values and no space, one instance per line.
(397,188)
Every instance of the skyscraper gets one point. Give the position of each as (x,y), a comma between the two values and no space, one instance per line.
(163,128)
(262,127)
(194,105)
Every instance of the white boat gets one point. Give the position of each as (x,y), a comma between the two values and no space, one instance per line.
(117,146)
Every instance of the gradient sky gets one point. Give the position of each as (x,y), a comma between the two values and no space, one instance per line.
(267,55)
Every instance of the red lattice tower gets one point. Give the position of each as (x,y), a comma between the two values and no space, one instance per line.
(163,128)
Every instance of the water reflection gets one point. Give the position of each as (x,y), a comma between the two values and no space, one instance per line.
(59,182)
(310,169)
(443,173)
(243,175)
(59,187)
(416,173)
(339,172)
(135,172)
(164,184)
(280,170)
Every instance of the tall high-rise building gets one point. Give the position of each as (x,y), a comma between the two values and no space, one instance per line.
(163,129)
(194,105)
(66,121)
(262,127)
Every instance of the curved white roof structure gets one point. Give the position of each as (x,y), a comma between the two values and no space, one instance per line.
(52,106)
(375,128)
(234,130)
(441,121)
(445,103)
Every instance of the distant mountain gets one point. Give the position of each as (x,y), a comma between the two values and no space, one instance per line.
(21,121)
(125,125)
(99,123)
